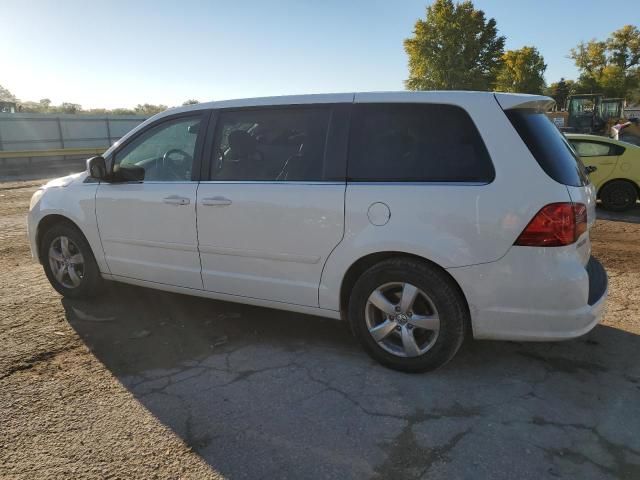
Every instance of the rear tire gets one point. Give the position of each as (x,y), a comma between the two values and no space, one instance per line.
(410,337)
(69,262)
(618,196)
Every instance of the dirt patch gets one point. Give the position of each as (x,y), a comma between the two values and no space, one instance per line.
(63,414)
(145,384)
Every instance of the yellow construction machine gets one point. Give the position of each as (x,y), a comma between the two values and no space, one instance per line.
(593,114)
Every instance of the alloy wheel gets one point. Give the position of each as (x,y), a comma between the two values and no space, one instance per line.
(66,262)
(402,319)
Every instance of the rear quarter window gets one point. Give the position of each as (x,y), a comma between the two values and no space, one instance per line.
(592,149)
(416,143)
(548,146)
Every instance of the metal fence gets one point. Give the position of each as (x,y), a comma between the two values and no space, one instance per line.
(32,132)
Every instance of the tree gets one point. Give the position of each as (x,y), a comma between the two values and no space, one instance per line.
(191,102)
(97,111)
(149,109)
(522,71)
(68,107)
(590,57)
(611,66)
(30,107)
(6,95)
(559,91)
(45,105)
(123,111)
(455,47)
(624,47)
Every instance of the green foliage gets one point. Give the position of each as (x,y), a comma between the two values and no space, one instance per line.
(123,111)
(611,66)
(191,101)
(29,107)
(45,106)
(624,47)
(68,107)
(559,91)
(522,71)
(455,47)
(149,109)
(6,95)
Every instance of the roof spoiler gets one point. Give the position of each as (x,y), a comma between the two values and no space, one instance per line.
(509,101)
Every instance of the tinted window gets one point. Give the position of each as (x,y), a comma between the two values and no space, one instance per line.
(163,153)
(416,142)
(592,149)
(270,144)
(549,147)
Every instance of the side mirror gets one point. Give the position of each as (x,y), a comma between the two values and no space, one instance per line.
(97,168)
(590,169)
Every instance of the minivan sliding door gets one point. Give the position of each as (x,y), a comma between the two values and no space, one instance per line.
(273,207)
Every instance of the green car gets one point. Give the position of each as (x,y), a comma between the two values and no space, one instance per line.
(617,173)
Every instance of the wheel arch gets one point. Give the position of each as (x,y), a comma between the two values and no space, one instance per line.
(49,221)
(626,180)
(357,268)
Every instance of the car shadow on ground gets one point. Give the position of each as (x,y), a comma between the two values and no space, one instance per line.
(631,216)
(265,393)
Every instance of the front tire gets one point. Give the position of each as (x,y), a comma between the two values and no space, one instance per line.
(408,315)
(618,196)
(69,262)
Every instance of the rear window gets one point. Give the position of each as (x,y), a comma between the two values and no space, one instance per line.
(549,147)
(416,143)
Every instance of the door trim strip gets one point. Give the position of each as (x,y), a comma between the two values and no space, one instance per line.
(237,252)
(185,247)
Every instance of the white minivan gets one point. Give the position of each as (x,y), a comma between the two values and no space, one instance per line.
(420,218)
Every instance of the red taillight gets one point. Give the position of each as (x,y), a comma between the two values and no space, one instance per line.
(581,218)
(555,225)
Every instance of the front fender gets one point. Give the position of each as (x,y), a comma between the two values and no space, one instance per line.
(76,203)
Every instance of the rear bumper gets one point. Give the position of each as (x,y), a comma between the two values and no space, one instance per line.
(598,281)
(534,294)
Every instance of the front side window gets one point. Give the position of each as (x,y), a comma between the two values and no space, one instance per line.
(164,153)
(416,142)
(280,144)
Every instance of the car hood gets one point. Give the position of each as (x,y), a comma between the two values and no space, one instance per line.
(66,181)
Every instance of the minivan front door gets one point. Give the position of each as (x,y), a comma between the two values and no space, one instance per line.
(274,207)
(148,226)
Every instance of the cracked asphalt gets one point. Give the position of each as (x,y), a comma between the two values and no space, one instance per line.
(146,384)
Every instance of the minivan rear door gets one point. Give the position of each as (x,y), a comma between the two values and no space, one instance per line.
(270,208)
(587,196)
(558,159)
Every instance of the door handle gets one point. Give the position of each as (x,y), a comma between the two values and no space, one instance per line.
(216,201)
(176,200)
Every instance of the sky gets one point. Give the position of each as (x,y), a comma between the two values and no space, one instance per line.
(114,53)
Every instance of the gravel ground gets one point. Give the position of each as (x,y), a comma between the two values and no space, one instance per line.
(145,384)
